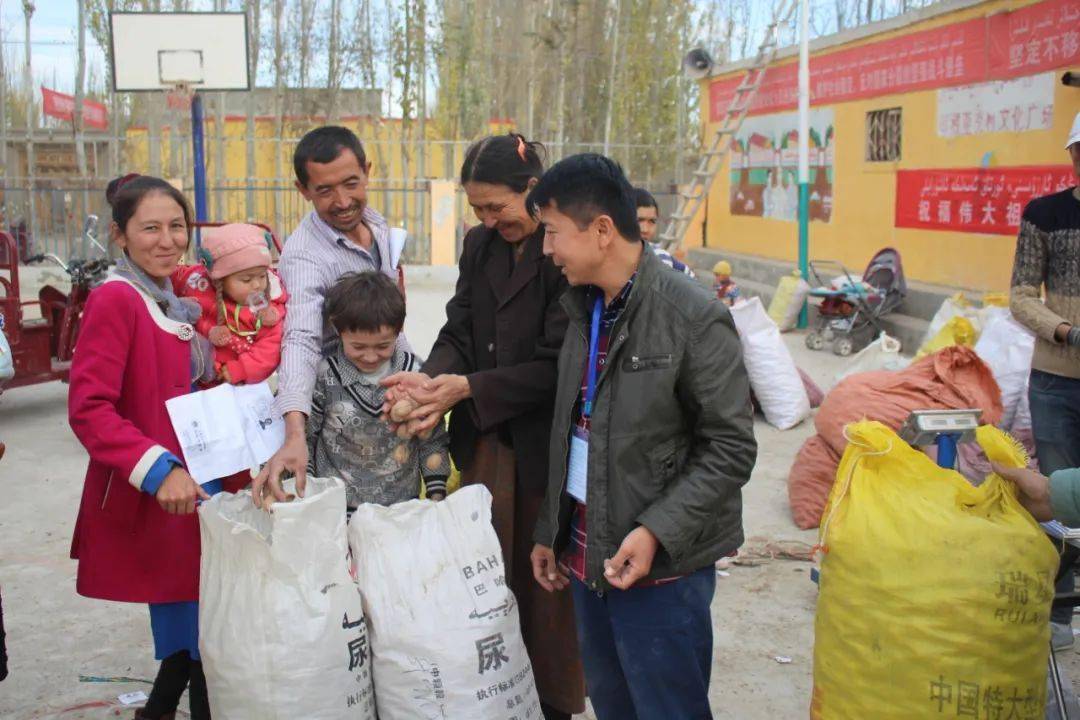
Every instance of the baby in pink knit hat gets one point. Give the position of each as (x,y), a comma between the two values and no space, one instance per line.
(242,301)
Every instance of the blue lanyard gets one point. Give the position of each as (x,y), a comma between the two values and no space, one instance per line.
(594,350)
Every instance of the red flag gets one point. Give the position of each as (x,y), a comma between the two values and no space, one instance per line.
(61,106)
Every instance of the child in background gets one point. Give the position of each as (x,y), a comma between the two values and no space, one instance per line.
(725,287)
(346,435)
(242,302)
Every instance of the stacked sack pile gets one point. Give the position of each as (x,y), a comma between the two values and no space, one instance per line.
(971,357)
(421,623)
(934,594)
(904,629)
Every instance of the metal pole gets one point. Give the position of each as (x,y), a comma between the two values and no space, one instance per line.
(5,212)
(198,160)
(804,147)
(28,79)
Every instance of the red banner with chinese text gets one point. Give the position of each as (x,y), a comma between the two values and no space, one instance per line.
(1031,39)
(979,200)
(1038,37)
(61,106)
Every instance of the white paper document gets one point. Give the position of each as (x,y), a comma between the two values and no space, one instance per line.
(577,470)
(226,429)
(396,241)
(133,698)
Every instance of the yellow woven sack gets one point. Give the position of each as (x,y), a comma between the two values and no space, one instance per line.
(935,594)
(790,294)
(958,331)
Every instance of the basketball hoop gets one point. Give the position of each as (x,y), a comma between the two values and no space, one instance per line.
(179,97)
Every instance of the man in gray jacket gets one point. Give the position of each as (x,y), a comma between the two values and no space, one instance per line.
(652,441)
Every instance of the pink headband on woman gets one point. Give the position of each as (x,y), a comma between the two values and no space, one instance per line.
(521,148)
(125,180)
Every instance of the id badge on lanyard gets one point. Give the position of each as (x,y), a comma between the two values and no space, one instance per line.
(577,470)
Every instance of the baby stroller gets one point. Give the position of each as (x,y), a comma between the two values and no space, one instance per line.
(851,308)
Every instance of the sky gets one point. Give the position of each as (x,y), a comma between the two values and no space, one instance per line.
(52,48)
(53,37)
(53,44)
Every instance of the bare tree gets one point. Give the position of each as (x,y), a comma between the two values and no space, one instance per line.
(254,10)
(841,15)
(421,103)
(333,61)
(279,97)
(616,31)
(219,145)
(3,113)
(560,102)
(305,35)
(177,146)
(80,78)
(153,113)
(28,12)
(98,22)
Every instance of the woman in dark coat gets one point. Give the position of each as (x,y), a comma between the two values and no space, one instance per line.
(494,364)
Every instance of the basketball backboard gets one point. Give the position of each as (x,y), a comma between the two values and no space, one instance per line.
(159,50)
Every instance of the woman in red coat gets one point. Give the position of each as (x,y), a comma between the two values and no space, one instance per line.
(136,536)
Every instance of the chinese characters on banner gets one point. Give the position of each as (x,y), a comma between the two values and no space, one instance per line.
(1025,103)
(979,200)
(61,106)
(963,53)
(1038,37)
(950,55)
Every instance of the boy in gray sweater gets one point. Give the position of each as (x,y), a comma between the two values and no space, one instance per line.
(346,435)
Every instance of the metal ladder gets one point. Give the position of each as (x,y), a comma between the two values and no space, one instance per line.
(712,160)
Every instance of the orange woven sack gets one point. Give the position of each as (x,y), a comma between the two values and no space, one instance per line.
(950,379)
(810,480)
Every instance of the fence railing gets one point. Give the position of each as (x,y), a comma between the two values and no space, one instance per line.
(50,216)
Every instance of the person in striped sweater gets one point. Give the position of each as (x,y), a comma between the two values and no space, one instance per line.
(1048,262)
(648,217)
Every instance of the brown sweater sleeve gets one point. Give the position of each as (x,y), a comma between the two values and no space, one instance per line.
(1029,274)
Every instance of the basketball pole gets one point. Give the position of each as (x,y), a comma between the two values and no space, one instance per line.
(198,155)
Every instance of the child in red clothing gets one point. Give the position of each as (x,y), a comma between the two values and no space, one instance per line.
(242,301)
(243,308)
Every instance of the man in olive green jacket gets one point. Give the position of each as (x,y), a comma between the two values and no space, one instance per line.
(651,443)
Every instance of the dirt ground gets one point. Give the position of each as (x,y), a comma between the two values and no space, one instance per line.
(760,612)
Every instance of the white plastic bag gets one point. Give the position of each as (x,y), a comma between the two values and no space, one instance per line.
(881,354)
(281,622)
(951,307)
(7,363)
(773,376)
(1007,346)
(444,624)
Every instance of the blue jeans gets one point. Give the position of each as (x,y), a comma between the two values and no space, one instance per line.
(648,651)
(1055,422)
